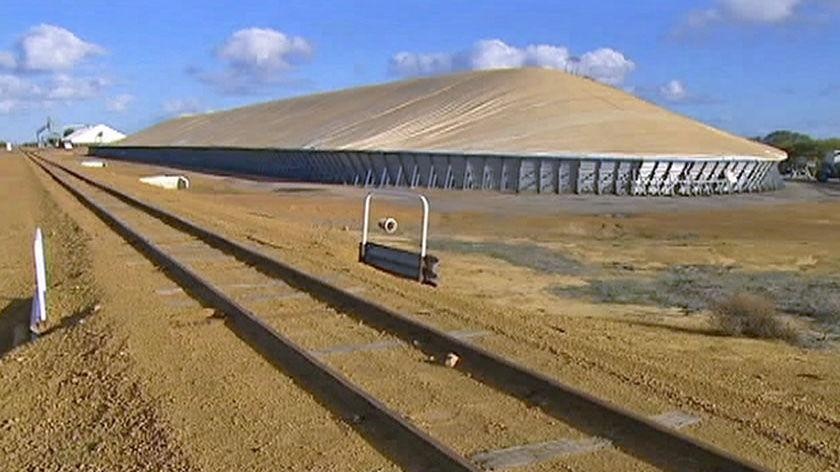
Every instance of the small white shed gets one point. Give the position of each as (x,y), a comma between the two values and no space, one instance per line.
(93,135)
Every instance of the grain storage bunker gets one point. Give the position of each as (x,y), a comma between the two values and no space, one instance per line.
(513,130)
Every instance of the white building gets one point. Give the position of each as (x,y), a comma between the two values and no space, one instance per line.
(94,135)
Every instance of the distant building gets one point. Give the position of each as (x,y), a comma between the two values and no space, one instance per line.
(93,135)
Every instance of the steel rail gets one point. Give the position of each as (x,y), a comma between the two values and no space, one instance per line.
(628,431)
(395,437)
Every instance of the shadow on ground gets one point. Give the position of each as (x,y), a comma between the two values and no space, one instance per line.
(300,190)
(678,329)
(15,318)
(14,324)
(530,256)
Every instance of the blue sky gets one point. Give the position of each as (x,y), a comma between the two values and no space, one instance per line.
(748,66)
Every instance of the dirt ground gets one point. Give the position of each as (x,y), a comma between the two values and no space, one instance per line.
(545,274)
(160,386)
(70,400)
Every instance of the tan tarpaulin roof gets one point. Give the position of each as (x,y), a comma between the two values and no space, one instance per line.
(513,111)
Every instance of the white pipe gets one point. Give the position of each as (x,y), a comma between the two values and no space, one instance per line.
(394,193)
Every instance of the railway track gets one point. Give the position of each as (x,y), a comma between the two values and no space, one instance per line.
(261,297)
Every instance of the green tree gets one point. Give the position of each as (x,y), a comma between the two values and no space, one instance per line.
(801,146)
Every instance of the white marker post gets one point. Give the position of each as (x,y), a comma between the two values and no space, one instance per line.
(39,301)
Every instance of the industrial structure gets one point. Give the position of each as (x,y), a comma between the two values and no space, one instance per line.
(513,130)
(48,134)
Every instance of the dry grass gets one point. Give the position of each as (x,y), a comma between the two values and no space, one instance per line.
(701,287)
(744,314)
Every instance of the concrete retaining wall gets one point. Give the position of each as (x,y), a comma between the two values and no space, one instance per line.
(585,175)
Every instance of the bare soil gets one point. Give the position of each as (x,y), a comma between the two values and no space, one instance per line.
(771,401)
(72,399)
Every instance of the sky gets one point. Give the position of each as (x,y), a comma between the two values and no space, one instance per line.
(747,66)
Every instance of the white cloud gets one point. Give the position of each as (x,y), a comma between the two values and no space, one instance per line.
(264,50)
(699,19)
(766,12)
(183,107)
(16,92)
(20,92)
(549,57)
(254,58)
(120,103)
(412,64)
(763,11)
(673,91)
(39,72)
(495,54)
(606,65)
(52,48)
(26,92)
(8,106)
(66,88)
(7,60)
(11,89)
(14,87)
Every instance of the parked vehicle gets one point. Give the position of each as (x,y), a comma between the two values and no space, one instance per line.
(830,168)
